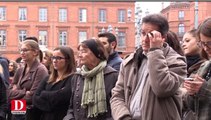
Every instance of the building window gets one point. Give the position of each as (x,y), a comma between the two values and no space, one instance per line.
(121,39)
(2,13)
(22,14)
(82,36)
(121,15)
(22,35)
(102,15)
(62,15)
(43,37)
(43,14)
(2,37)
(181,29)
(62,37)
(82,15)
(181,14)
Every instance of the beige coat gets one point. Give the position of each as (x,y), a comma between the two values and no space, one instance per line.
(161,95)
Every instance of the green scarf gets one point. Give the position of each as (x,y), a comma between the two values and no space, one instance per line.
(94,95)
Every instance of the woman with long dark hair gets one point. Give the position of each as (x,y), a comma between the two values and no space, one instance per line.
(199,90)
(53,94)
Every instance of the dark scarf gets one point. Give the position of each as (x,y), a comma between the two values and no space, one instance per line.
(191,60)
(12,73)
(139,56)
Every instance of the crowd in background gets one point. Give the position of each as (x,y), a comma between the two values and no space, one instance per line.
(164,79)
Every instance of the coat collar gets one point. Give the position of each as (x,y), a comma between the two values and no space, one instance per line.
(113,55)
(135,56)
(108,70)
(34,66)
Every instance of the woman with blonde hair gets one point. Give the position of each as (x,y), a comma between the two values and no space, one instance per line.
(47,54)
(12,69)
(28,77)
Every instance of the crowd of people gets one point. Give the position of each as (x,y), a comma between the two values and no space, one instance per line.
(164,79)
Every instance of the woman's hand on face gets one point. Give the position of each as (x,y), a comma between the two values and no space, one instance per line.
(156,39)
(194,86)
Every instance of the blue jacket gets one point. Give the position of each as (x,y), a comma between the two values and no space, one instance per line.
(114,60)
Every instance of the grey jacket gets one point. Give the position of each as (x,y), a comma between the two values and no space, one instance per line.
(161,95)
(201,102)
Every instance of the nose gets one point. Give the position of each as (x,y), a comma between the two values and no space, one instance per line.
(183,44)
(145,38)
(79,54)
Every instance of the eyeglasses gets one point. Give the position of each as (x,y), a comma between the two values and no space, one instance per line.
(57,58)
(203,44)
(25,50)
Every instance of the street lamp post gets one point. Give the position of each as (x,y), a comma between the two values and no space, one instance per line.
(196,8)
(110,30)
(137,21)
(116,31)
(103,30)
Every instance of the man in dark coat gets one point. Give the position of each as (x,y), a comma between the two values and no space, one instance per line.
(109,41)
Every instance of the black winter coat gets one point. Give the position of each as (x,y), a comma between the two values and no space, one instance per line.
(3,100)
(53,99)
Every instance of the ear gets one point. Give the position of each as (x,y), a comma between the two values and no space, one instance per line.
(36,52)
(164,37)
(113,44)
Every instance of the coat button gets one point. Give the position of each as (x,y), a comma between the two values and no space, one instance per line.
(77,103)
(78,110)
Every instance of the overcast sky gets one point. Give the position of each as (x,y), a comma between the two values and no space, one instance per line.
(153,7)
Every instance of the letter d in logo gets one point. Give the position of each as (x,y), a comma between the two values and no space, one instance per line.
(18,107)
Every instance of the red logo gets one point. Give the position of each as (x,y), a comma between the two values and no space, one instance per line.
(18,107)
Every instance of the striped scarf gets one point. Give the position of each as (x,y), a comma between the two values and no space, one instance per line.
(94,95)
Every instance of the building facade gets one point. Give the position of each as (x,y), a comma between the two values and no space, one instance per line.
(183,16)
(64,24)
(203,10)
(178,15)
